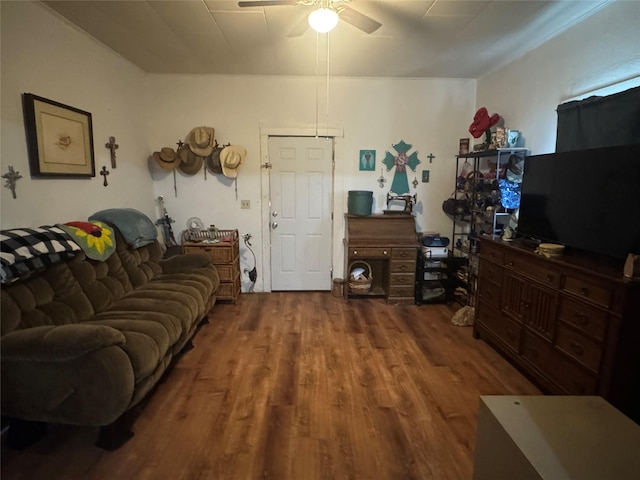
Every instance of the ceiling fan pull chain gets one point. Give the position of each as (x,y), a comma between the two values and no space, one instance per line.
(317,81)
(327,94)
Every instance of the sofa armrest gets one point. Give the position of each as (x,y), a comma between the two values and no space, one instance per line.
(58,343)
(184,262)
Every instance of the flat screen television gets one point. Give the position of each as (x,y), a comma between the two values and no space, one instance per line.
(587,200)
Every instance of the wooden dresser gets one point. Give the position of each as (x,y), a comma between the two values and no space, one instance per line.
(571,323)
(388,244)
(225,255)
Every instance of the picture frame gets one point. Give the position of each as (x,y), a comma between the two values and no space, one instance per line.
(367,160)
(463,147)
(59,139)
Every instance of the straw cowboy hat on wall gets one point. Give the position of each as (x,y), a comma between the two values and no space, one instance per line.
(190,164)
(212,162)
(230,159)
(166,158)
(200,140)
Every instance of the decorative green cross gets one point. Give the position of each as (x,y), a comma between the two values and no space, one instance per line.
(400,184)
(431,156)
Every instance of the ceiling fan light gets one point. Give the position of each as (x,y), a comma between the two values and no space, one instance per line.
(323,20)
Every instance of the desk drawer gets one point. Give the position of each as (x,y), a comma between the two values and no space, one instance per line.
(403,266)
(400,279)
(369,252)
(404,254)
(402,291)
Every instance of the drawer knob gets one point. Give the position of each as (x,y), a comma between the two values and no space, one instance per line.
(581,318)
(550,278)
(577,348)
(584,291)
(385,252)
(510,263)
(355,252)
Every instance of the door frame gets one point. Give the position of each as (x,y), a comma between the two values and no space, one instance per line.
(337,210)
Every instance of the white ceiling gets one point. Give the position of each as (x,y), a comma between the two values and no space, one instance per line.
(418,38)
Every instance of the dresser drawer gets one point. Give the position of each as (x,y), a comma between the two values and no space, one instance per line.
(217,254)
(400,279)
(599,294)
(369,252)
(497,324)
(404,253)
(226,272)
(492,252)
(490,271)
(570,378)
(583,317)
(229,290)
(585,351)
(489,291)
(403,266)
(536,268)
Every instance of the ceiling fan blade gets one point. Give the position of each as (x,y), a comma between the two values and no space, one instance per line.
(357,19)
(299,28)
(267,3)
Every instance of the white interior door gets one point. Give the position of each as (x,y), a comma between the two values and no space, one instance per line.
(300,216)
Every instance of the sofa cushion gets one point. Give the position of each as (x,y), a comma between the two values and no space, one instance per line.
(145,342)
(53,298)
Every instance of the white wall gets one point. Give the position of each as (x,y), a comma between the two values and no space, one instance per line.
(43,55)
(46,57)
(430,114)
(602,50)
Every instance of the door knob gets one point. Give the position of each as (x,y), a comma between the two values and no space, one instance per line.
(274,225)
(274,214)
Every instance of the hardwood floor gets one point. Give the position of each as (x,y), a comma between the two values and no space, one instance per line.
(300,386)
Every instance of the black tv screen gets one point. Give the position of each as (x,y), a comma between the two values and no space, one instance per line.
(587,200)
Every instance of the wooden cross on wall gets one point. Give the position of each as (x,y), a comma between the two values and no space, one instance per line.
(112,146)
(104,172)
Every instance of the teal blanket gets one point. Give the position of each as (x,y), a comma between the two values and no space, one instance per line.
(136,228)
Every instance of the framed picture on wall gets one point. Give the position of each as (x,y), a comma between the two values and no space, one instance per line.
(59,139)
(367,160)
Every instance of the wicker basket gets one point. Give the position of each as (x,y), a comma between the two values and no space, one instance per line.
(360,285)
(201,235)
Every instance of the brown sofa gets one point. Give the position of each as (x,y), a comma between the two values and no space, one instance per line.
(84,342)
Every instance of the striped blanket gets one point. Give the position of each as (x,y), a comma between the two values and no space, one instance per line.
(24,251)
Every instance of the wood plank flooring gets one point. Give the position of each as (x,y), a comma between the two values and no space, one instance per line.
(300,386)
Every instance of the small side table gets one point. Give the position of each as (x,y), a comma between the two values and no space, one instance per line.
(554,437)
(225,255)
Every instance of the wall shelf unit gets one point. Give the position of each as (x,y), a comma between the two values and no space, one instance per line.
(477,187)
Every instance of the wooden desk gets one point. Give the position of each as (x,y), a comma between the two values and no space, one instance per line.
(388,243)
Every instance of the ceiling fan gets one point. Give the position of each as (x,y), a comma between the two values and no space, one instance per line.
(344,13)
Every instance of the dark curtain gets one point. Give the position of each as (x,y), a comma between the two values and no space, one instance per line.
(599,121)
